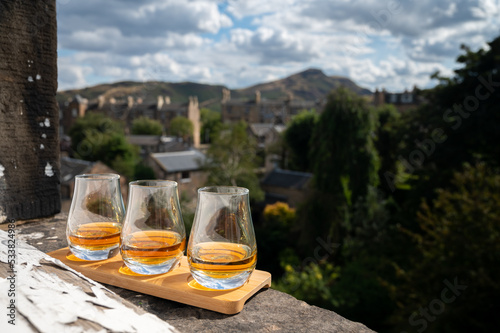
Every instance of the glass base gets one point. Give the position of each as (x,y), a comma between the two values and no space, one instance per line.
(232,282)
(86,254)
(140,268)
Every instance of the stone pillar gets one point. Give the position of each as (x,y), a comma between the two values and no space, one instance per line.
(193,114)
(29,117)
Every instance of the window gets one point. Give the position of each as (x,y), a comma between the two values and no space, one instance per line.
(74,113)
(185,177)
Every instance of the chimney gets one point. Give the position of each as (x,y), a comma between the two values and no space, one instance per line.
(257,96)
(159,102)
(226,95)
(167,100)
(193,100)
(100,101)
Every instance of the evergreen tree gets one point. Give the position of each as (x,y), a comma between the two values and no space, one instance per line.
(297,137)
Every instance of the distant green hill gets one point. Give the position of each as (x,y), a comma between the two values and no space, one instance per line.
(311,84)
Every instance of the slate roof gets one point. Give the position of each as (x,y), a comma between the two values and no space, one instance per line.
(144,140)
(71,167)
(261,129)
(188,160)
(287,179)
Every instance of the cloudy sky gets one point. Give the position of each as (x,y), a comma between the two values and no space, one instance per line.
(393,44)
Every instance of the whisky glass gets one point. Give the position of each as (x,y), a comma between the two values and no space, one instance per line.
(95,217)
(153,237)
(222,252)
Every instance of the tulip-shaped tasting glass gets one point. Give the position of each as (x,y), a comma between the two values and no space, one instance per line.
(153,236)
(222,252)
(95,217)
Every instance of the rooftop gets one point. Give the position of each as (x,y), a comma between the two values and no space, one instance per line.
(287,179)
(179,161)
(70,167)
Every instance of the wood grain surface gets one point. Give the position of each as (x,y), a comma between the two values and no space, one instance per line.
(176,285)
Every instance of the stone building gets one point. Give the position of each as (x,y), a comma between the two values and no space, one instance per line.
(267,135)
(184,167)
(402,101)
(71,167)
(260,110)
(72,110)
(286,186)
(128,110)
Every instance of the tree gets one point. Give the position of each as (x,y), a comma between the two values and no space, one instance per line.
(458,242)
(297,137)
(231,160)
(96,137)
(210,124)
(346,210)
(342,154)
(388,144)
(273,236)
(182,127)
(146,126)
(344,163)
(458,125)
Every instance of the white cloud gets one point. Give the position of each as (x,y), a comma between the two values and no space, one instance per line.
(389,43)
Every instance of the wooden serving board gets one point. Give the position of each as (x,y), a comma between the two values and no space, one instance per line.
(177,285)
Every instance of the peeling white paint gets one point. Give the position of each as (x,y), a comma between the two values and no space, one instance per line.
(51,304)
(42,147)
(1,170)
(44,136)
(34,235)
(38,76)
(47,122)
(30,79)
(41,124)
(48,170)
(3,217)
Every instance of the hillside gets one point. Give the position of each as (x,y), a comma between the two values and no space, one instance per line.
(310,84)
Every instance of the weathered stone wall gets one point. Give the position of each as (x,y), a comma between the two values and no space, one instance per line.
(29,118)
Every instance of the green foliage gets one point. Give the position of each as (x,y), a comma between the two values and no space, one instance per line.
(181,127)
(187,209)
(437,225)
(297,136)
(142,171)
(311,283)
(343,145)
(96,137)
(231,160)
(465,108)
(388,144)
(279,214)
(459,238)
(210,124)
(275,229)
(146,126)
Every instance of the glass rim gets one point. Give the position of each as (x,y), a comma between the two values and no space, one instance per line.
(148,183)
(233,190)
(98,176)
